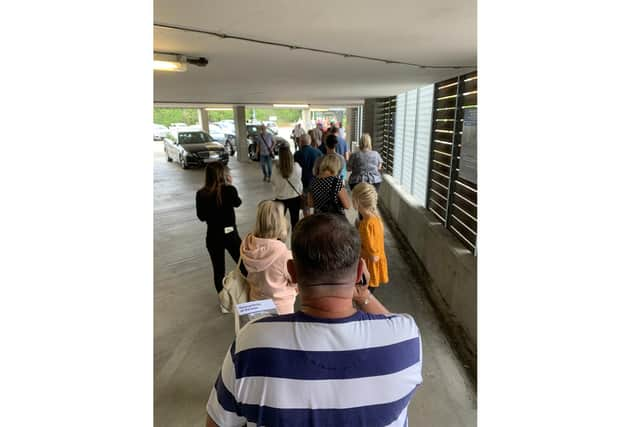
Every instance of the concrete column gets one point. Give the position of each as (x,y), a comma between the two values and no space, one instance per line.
(241,133)
(203,118)
(306,119)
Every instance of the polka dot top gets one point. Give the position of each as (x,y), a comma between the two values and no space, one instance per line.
(325,194)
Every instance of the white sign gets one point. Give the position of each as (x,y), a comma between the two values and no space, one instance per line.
(255,307)
(248,311)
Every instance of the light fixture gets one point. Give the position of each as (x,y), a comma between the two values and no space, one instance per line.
(290,105)
(162,62)
(218,109)
(176,62)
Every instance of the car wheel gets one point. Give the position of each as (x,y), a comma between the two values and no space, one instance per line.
(169,159)
(183,162)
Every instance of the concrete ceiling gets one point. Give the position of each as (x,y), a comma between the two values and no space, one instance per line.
(427,32)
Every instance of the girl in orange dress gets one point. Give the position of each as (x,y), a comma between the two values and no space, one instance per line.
(365,200)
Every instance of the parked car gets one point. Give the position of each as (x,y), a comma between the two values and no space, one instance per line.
(193,148)
(176,126)
(229,129)
(217,133)
(159,132)
(253,132)
(228,126)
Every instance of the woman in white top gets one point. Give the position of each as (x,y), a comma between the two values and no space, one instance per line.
(287,184)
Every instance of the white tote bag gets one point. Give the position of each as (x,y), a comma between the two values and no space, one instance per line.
(235,289)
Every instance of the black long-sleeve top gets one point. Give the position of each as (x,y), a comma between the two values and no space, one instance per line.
(217,217)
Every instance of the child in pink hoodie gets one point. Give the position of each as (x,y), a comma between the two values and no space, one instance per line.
(265,257)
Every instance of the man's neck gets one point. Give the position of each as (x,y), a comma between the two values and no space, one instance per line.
(335,306)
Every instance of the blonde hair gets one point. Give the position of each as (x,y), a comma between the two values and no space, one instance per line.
(365,196)
(270,221)
(331,163)
(365,142)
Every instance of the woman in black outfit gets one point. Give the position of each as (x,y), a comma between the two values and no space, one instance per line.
(215,203)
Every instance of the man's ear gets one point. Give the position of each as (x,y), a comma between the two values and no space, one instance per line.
(291,268)
(360,270)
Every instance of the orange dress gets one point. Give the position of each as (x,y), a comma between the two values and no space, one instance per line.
(372,237)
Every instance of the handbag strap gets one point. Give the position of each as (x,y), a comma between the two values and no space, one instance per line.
(294,188)
(265,142)
(238,267)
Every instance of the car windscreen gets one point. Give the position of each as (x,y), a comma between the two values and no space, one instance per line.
(193,138)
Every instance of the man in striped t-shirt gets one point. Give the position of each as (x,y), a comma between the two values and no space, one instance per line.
(329,364)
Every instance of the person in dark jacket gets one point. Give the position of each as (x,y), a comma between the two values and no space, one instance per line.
(306,157)
(215,203)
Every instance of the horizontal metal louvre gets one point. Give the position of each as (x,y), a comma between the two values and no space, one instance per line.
(384,131)
(451,198)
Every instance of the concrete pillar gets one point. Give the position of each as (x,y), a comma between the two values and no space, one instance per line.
(241,133)
(306,119)
(203,118)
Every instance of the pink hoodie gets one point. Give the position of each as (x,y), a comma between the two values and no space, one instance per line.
(266,263)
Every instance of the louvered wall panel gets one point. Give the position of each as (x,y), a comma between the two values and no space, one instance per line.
(409,139)
(399,137)
(384,131)
(463,210)
(451,198)
(422,144)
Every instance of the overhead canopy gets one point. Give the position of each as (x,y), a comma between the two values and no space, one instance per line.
(426,32)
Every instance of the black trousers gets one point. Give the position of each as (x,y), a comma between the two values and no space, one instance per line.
(216,245)
(293,206)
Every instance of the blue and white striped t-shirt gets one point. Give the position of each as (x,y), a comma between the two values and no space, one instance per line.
(298,370)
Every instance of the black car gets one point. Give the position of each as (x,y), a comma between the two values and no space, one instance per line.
(253,132)
(193,148)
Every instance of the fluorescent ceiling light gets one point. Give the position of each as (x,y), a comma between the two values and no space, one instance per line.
(169,66)
(218,109)
(290,105)
(162,62)
(319,109)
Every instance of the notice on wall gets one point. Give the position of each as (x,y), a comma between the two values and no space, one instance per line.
(469,150)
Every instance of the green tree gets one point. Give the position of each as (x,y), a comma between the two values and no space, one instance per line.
(166,116)
(216,116)
(284,115)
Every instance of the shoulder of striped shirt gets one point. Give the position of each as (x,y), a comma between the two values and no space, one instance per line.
(277,331)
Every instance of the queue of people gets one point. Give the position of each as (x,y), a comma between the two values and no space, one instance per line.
(342,360)
(334,267)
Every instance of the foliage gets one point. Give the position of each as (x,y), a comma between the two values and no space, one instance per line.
(284,115)
(166,116)
(216,116)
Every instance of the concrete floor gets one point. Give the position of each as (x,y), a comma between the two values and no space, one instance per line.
(191,336)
